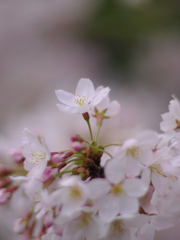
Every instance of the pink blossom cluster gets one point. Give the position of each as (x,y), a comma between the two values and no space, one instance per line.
(73,196)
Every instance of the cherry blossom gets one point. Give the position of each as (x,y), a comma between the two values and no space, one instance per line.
(36,155)
(171,119)
(84,99)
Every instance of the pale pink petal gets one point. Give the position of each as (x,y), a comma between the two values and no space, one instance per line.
(160,223)
(146,232)
(168,122)
(104,104)
(109,208)
(174,108)
(32,138)
(67,109)
(134,187)
(113,109)
(85,88)
(65,97)
(27,165)
(37,170)
(100,96)
(133,168)
(98,187)
(175,162)
(114,170)
(128,205)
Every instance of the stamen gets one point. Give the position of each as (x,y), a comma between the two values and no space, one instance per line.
(80,100)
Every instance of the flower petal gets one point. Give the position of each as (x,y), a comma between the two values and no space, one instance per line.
(67,109)
(100,95)
(114,170)
(134,187)
(65,97)
(113,108)
(85,88)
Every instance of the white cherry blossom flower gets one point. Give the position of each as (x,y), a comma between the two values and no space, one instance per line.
(117,195)
(36,155)
(137,151)
(73,194)
(111,107)
(171,119)
(84,99)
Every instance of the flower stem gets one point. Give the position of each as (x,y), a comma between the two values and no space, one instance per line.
(113,144)
(99,126)
(105,152)
(86,118)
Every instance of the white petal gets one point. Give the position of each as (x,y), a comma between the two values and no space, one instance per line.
(175,162)
(128,205)
(27,165)
(174,108)
(134,187)
(133,168)
(65,97)
(146,232)
(85,88)
(37,170)
(103,104)
(168,122)
(160,223)
(100,96)
(67,109)
(113,108)
(114,170)
(109,208)
(98,187)
(32,138)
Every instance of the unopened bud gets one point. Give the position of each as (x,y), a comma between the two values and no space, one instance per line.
(5,171)
(20,225)
(78,146)
(86,116)
(82,171)
(60,157)
(17,156)
(5,182)
(69,154)
(76,138)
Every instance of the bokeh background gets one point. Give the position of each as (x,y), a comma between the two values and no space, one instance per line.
(132,46)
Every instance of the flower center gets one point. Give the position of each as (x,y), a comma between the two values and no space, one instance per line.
(85,220)
(116,190)
(157,167)
(75,193)
(116,227)
(80,100)
(178,124)
(135,151)
(37,156)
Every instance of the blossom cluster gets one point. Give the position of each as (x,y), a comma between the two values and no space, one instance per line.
(73,196)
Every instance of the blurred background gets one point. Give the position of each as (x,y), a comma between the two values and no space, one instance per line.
(132,46)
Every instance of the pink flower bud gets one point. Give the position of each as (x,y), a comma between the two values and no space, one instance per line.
(4,195)
(78,146)
(69,154)
(20,225)
(17,156)
(60,157)
(48,174)
(5,171)
(48,219)
(77,138)
(5,182)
